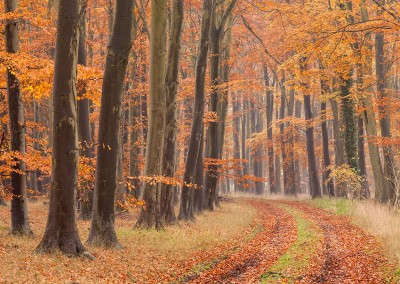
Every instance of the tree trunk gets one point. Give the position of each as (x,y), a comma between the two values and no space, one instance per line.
(278,166)
(315,189)
(361,160)
(85,140)
(61,230)
(282,114)
(270,113)
(258,160)
(349,122)
(199,193)
(102,231)
(325,142)
(171,81)
(369,120)
(290,159)
(195,151)
(213,144)
(388,193)
(245,161)
(236,146)
(134,142)
(19,208)
(297,181)
(150,215)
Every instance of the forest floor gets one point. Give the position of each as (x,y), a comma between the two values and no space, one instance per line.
(245,241)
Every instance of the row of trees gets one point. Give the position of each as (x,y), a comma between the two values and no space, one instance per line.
(195,100)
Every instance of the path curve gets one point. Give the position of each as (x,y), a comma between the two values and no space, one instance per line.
(347,255)
(344,254)
(254,257)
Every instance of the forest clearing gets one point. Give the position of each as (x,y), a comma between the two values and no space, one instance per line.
(200,141)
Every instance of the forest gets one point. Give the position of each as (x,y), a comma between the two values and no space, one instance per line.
(200,141)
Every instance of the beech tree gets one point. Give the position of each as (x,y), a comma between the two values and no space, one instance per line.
(102,231)
(19,206)
(171,82)
(315,188)
(61,230)
(150,215)
(195,150)
(85,139)
(215,129)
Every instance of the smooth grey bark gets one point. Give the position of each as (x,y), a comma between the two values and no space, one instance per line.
(102,231)
(388,192)
(283,140)
(289,165)
(133,119)
(194,156)
(172,82)
(19,209)
(150,215)
(361,160)
(297,111)
(325,142)
(236,147)
(214,140)
(368,116)
(35,174)
(278,164)
(199,193)
(315,188)
(258,158)
(270,151)
(61,230)
(85,139)
(245,161)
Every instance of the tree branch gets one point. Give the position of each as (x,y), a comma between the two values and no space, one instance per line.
(247,25)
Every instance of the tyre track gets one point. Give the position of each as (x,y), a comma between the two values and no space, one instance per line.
(254,257)
(347,254)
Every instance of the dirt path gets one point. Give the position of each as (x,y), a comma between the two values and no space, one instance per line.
(302,244)
(254,257)
(347,255)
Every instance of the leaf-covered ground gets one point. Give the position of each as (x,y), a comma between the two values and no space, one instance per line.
(245,241)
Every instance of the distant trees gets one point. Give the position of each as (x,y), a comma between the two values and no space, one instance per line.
(211,101)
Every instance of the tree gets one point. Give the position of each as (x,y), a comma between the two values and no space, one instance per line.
(388,193)
(325,141)
(61,230)
(85,139)
(315,189)
(171,82)
(19,209)
(215,129)
(150,214)
(102,231)
(270,113)
(194,155)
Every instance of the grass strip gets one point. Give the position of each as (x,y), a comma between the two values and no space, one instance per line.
(296,258)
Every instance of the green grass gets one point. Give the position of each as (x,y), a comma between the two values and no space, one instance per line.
(340,206)
(297,256)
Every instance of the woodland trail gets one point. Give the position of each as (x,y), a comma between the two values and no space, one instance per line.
(300,243)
